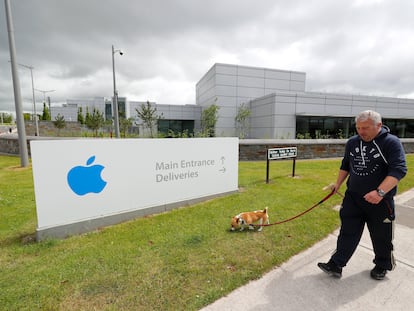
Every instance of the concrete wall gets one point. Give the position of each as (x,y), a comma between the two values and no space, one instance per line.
(249,149)
(256,149)
(47,128)
(273,116)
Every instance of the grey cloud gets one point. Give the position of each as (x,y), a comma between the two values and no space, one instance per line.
(363,46)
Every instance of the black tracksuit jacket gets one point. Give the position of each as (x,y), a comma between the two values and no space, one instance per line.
(368,163)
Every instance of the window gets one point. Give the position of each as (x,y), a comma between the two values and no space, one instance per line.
(344,127)
(172,128)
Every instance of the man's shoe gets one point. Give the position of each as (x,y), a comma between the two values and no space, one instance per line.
(331,268)
(378,273)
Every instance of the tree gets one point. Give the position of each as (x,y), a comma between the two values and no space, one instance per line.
(6,118)
(59,123)
(46,113)
(124,125)
(87,116)
(94,121)
(81,118)
(209,118)
(242,120)
(149,116)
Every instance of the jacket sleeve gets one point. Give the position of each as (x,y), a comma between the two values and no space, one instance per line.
(397,166)
(345,159)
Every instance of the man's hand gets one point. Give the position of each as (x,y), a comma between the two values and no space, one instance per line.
(373,197)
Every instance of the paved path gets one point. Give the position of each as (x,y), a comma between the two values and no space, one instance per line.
(300,285)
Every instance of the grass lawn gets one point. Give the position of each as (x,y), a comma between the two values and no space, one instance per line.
(180,260)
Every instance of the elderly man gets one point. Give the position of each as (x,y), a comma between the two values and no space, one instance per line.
(374,162)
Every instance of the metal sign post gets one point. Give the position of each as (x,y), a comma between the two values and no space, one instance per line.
(281,153)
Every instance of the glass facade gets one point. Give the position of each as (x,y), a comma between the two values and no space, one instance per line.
(108,111)
(344,127)
(175,127)
(121,109)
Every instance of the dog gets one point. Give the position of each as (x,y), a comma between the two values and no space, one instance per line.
(248,218)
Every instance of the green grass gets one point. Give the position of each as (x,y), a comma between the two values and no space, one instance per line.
(180,260)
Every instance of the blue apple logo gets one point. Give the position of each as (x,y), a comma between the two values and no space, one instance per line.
(86,179)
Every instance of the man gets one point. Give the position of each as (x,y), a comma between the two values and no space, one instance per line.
(374,162)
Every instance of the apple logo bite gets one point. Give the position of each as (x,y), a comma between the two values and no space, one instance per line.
(86,179)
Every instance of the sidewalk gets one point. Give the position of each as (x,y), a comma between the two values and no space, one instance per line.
(300,285)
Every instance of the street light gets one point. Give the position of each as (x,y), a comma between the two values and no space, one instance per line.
(34,100)
(115,101)
(44,96)
(24,156)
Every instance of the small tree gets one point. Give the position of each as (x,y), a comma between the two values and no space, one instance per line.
(46,113)
(59,123)
(209,118)
(124,125)
(87,116)
(6,118)
(81,118)
(26,116)
(94,121)
(242,120)
(149,116)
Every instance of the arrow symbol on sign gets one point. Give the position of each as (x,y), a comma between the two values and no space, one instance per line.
(223,170)
(222,159)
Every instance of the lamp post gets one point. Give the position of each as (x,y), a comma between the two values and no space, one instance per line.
(44,96)
(34,100)
(24,155)
(115,101)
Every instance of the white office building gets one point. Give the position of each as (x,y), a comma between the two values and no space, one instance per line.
(281,108)
(73,106)
(174,118)
(279,105)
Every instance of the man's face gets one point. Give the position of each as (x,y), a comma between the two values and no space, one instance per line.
(367,130)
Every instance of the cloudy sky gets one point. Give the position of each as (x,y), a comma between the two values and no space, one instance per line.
(344,46)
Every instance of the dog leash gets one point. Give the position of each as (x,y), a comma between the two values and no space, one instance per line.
(297,216)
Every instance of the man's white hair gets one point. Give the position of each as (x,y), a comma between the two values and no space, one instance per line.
(369,115)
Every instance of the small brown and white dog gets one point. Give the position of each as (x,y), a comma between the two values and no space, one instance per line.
(248,218)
